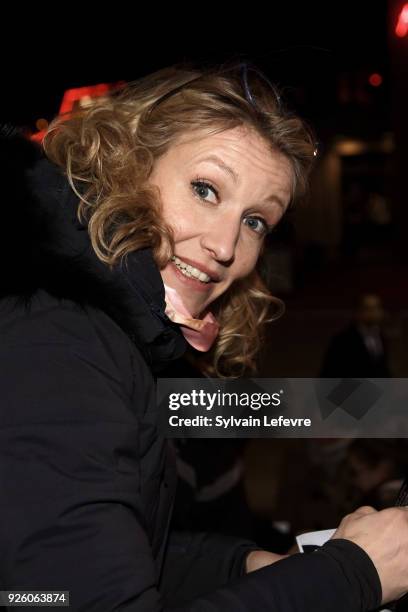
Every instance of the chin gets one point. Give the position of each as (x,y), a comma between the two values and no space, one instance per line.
(195,309)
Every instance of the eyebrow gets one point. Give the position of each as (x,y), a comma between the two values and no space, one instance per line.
(274,199)
(223,166)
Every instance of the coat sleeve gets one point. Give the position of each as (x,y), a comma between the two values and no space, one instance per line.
(206,572)
(71,498)
(187,571)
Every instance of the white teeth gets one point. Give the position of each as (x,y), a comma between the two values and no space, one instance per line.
(190,271)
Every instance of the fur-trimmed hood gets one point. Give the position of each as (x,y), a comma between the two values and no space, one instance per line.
(45,246)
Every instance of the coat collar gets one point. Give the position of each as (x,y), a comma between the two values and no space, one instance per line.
(45,246)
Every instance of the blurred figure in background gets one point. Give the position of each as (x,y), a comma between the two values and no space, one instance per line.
(359,350)
(375,470)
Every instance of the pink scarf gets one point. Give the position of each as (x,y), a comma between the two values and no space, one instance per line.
(200,333)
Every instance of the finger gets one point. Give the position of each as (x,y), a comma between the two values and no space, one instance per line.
(363,510)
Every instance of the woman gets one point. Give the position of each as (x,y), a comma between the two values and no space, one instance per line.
(172,183)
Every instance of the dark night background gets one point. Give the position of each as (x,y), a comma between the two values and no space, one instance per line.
(303,48)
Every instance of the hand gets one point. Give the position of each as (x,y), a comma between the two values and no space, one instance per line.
(260,558)
(384,537)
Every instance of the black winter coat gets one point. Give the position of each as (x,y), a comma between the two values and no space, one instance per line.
(86,481)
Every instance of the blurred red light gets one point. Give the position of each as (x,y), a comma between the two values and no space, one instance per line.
(401,29)
(375,79)
(75,95)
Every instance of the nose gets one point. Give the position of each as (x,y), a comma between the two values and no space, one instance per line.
(221,239)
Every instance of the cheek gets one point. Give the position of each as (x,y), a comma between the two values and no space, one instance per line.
(178,213)
(247,258)
(183,228)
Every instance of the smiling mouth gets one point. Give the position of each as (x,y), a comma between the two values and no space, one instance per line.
(190,271)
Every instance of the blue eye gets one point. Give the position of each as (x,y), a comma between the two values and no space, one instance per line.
(202,189)
(256,224)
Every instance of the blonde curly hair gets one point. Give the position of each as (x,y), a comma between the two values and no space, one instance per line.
(108,151)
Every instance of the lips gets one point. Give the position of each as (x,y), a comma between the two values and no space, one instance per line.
(215,278)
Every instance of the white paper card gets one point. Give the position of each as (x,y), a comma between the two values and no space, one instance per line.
(314,538)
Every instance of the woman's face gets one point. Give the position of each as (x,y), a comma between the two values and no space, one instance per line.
(220,194)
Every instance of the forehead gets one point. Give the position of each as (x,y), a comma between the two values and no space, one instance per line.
(242,149)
